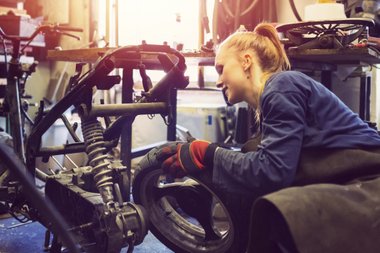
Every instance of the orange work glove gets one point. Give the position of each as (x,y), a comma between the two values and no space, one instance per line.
(188,158)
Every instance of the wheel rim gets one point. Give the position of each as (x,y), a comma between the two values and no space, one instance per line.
(179,229)
(343,31)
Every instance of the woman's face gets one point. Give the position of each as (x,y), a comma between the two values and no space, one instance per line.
(232,77)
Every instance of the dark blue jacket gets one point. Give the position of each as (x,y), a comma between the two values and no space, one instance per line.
(296,112)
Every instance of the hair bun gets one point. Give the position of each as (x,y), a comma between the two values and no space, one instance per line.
(265,29)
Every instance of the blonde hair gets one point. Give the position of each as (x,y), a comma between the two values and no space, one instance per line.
(266,45)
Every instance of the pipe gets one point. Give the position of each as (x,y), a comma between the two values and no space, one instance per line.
(124,109)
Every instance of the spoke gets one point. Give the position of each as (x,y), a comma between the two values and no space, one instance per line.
(317,28)
(347,28)
(335,26)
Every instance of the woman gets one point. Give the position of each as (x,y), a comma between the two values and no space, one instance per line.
(294,112)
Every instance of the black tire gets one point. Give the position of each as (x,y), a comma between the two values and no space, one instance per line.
(174,230)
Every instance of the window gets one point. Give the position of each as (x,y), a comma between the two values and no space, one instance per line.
(156,22)
(151,20)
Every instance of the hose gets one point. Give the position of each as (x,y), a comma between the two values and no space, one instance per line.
(294,9)
(250,7)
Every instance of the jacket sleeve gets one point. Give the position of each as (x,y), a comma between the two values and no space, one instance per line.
(274,164)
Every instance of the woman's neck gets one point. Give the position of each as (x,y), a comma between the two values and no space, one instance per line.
(256,86)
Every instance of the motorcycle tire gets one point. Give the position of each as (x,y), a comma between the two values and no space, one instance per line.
(177,232)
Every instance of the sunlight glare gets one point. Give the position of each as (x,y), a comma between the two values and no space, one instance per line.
(157,21)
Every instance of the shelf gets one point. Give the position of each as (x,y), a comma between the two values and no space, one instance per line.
(360,56)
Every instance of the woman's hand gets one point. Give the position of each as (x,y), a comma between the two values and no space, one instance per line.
(182,159)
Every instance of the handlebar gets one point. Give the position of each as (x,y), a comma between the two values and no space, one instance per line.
(41,29)
(69,29)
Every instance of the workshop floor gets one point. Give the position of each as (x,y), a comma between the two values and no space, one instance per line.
(30,238)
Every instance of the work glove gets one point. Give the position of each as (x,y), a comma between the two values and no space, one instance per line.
(185,158)
(167,150)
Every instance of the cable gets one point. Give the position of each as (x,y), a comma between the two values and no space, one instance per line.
(294,9)
(229,12)
(253,4)
(237,14)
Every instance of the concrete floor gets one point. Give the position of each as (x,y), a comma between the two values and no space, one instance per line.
(30,238)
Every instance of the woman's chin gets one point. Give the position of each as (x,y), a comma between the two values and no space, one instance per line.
(233,99)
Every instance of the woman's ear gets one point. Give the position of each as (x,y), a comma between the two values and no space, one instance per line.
(247,61)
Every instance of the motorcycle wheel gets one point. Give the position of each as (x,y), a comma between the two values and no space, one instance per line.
(224,232)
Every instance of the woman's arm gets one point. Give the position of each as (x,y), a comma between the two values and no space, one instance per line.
(274,164)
